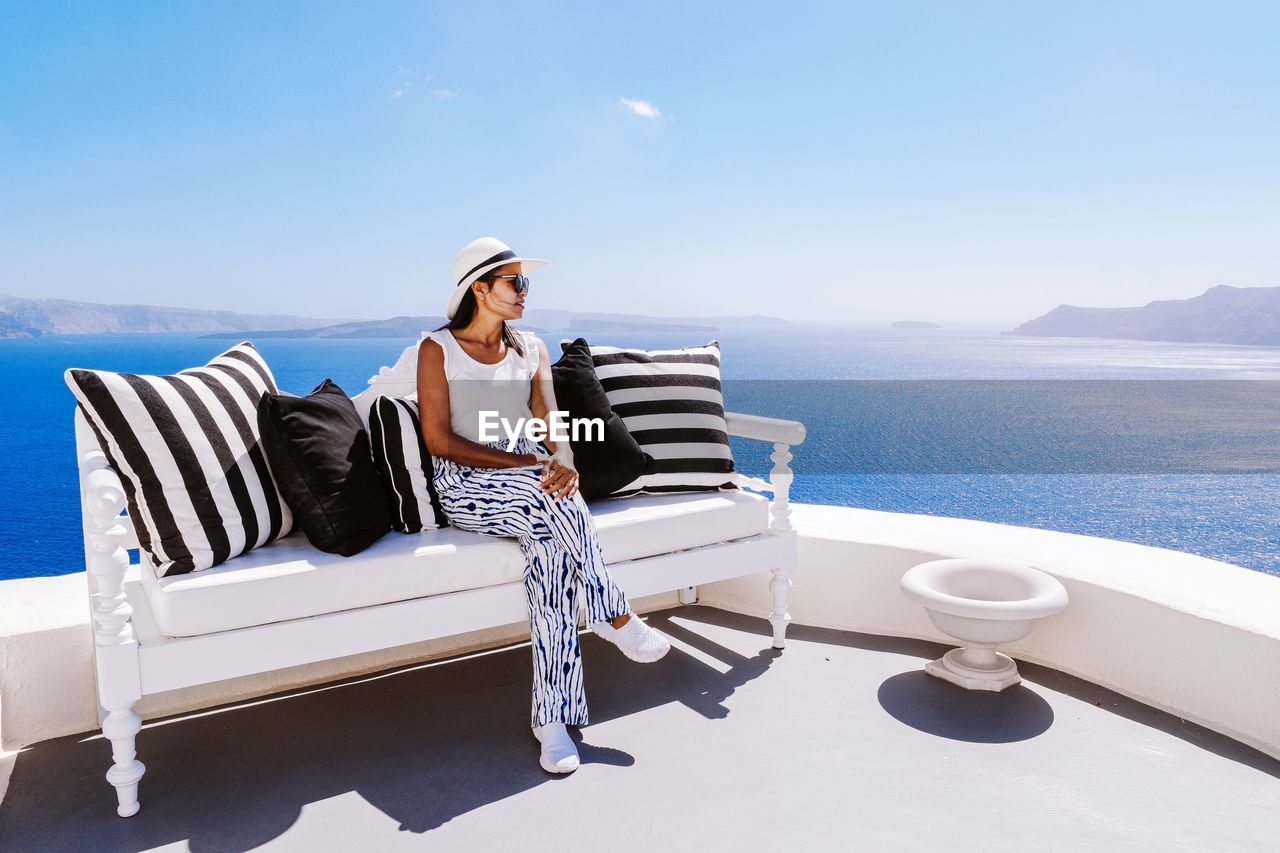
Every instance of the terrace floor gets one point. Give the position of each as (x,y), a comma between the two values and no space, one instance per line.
(840,742)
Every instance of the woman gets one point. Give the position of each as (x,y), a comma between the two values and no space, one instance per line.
(478,364)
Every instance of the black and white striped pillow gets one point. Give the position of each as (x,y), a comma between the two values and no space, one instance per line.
(670,401)
(407,472)
(189,455)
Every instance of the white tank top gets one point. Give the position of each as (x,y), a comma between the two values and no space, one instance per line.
(474,386)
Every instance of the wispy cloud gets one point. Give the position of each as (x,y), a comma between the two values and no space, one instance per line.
(644,109)
(408,76)
(414,71)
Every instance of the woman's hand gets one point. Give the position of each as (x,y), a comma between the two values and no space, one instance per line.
(559,479)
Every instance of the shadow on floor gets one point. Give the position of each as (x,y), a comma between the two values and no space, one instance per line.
(896,692)
(422,743)
(426,743)
(929,705)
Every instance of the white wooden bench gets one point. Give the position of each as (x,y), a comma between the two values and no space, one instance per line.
(288,604)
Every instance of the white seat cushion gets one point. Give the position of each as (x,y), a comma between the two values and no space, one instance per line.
(647,525)
(289,579)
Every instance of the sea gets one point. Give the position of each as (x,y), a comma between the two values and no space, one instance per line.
(1162,444)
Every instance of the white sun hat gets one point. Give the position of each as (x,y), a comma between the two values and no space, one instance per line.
(479,257)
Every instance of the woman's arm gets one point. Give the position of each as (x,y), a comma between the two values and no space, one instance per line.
(560,477)
(542,401)
(433,414)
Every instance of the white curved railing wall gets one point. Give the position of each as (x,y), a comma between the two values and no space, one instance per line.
(1189,635)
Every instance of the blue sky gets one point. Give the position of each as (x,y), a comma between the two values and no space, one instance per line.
(966,163)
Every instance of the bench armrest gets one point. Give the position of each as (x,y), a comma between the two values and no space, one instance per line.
(106,535)
(783,434)
(776,430)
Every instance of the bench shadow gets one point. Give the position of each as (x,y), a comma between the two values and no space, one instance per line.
(423,743)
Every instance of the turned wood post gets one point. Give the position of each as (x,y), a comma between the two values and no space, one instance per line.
(115,646)
(780,477)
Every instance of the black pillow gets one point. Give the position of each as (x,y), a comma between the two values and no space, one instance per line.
(318,450)
(603,466)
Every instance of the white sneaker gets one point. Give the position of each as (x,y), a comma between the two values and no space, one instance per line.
(559,755)
(636,639)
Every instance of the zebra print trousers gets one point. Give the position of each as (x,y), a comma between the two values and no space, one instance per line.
(564,568)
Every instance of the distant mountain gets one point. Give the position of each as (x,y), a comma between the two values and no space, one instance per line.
(541,321)
(396,327)
(555,319)
(21,317)
(587,328)
(913,324)
(1220,315)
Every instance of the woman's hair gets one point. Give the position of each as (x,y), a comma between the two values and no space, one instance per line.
(467,310)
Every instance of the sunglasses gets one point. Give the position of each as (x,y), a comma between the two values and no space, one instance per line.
(519,282)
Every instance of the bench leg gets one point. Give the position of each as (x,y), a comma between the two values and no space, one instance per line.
(688,594)
(121,727)
(780,585)
(780,476)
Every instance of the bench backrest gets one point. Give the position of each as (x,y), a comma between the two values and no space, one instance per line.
(398,380)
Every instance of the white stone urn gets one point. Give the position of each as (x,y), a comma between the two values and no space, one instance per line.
(982,603)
